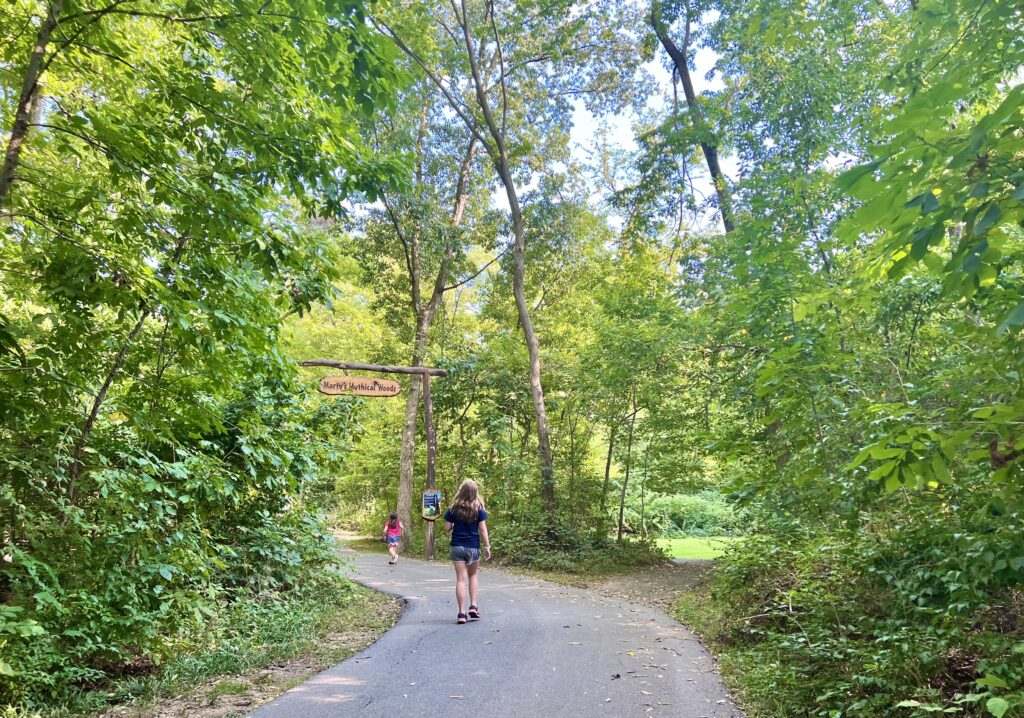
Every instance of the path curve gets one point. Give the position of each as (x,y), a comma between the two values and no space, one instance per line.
(541,650)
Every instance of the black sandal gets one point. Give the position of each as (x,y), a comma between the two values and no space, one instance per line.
(462,618)
(474,612)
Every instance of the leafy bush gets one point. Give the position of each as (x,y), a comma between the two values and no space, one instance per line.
(916,609)
(556,546)
(707,513)
(160,542)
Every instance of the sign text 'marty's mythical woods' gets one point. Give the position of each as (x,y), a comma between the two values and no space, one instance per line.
(359,386)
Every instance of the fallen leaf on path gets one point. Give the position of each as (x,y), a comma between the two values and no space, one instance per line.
(575,643)
(458,697)
(617,675)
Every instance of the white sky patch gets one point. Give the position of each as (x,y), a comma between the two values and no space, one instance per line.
(619,130)
(840,160)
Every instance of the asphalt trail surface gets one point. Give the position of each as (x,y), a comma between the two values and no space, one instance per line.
(541,650)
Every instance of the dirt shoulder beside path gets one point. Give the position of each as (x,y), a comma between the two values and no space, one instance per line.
(655,586)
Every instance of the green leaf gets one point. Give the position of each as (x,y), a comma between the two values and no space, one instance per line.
(852,177)
(1014,319)
(991,216)
(997,706)
(882,471)
(939,469)
(892,482)
(991,681)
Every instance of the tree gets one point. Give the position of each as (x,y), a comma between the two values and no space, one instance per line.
(511,92)
(154,234)
(419,234)
(702,131)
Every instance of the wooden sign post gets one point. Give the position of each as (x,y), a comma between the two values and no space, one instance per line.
(362,386)
(428,425)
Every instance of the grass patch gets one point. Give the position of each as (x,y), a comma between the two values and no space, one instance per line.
(696,547)
(226,688)
(262,646)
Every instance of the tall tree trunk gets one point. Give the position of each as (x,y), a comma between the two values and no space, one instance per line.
(608,470)
(499,154)
(707,145)
(29,94)
(533,346)
(643,508)
(424,318)
(625,480)
(407,460)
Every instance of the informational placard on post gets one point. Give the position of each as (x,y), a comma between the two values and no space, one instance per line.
(432,505)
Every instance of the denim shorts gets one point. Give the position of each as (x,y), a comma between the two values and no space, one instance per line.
(394,539)
(464,554)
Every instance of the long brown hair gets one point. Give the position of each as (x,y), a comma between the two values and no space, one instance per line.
(467,504)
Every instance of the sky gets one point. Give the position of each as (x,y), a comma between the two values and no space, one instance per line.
(620,126)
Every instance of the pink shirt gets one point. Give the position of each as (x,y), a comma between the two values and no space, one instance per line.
(397,531)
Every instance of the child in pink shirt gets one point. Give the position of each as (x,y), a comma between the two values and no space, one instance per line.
(393,535)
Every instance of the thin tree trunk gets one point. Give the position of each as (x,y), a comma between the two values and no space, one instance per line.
(499,154)
(425,317)
(407,459)
(572,452)
(643,511)
(707,145)
(625,480)
(608,470)
(29,93)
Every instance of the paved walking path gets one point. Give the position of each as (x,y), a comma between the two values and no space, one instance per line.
(541,650)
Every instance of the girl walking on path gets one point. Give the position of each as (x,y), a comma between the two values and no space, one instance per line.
(393,535)
(466,521)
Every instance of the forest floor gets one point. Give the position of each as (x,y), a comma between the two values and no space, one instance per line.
(656,586)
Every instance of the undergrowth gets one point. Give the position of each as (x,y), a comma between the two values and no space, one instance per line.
(901,616)
(556,547)
(249,634)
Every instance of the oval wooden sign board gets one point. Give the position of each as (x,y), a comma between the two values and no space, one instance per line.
(359,386)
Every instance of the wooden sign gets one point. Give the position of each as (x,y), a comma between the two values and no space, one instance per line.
(358,386)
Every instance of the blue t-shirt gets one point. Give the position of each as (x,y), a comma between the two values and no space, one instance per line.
(465,534)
